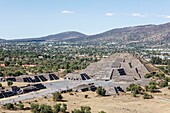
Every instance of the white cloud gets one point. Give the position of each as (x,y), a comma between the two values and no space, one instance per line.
(163,16)
(67,12)
(110,13)
(138,15)
(166,16)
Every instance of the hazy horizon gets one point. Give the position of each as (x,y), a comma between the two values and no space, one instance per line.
(77,31)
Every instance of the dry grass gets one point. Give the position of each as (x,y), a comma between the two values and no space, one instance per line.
(111,104)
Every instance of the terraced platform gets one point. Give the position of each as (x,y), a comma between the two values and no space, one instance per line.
(31,79)
(119,67)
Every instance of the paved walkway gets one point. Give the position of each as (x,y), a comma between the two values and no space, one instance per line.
(59,86)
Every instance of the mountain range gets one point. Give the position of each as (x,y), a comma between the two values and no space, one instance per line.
(138,34)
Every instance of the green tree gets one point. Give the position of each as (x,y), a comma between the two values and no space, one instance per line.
(135,89)
(35,108)
(45,108)
(163,84)
(7,63)
(56,108)
(18,73)
(84,109)
(167,79)
(10,83)
(21,106)
(9,106)
(147,96)
(57,96)
(19,63)
(1,74)
(101,91)
(148,75)
(63,108)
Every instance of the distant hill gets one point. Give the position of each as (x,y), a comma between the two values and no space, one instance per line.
(142,34)
(1,40)
(55,37)
(145,34)
(63,36)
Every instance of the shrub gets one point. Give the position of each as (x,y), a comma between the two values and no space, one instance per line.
(76,111)
(152,87)
(101,91)
(147,96)
(167,79)
(56,108)
(85,96)
(84,109)
(57,96)
(160,75)
(45,108)
(152,83)
(7,63)
(60,108)
(163,84)
(9,106)
(148,75)
(21,106)
(134,88)
(35,108)
(134,94)
(10,83)
(63,108)
(1,74)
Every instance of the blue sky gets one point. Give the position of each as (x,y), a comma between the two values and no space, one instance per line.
(35,18)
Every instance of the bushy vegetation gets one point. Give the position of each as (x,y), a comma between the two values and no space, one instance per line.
(9,106)
(35,108)
(57,96)
(49,57)
(1,74)
(147,96)
(43,108)
(20,106)
(159,81)
(162,84)
(156,60)
(83,109)
(148,75)
(167,79)
(159,75)
(101,91)
(59,108)
(151,88)
(135,89)
(9,83)
(16,106)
